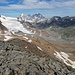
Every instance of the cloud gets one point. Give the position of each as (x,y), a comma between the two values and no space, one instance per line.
(3,1)
(37,4)
(30,1)
(67,3)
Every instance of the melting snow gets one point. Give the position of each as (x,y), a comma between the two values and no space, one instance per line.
(65,57)
(39,48)
(26,46)
(7,38)
(34,32)
(30,40)
(26,38)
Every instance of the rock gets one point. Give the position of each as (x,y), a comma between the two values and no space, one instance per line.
(18,61)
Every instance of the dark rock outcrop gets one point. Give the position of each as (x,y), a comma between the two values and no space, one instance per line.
(2,27)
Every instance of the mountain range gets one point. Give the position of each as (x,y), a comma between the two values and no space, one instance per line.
(42,22)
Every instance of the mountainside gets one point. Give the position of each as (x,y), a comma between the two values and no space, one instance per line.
(62,26)
(35,45)
(18,57)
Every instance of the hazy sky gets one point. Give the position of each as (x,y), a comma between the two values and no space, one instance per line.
(47,8)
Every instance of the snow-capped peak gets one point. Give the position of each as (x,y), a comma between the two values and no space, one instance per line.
(1,16)
(21,15)
(38,15)
(29,18)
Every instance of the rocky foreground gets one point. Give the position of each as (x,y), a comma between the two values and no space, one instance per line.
(17,59)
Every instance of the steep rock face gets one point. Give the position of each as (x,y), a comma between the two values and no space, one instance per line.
(16,60)
(2,28)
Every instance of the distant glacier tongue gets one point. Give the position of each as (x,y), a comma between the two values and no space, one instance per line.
(13,25)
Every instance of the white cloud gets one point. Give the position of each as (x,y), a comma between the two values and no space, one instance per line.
(30,1)
(37,4)
(67,3)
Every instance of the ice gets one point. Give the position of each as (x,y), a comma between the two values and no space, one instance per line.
(13,25)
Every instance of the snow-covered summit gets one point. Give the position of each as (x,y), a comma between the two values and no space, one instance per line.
(22,15)
(29,18)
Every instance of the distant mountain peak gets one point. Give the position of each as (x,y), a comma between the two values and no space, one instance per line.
(22,15)
(38,15)
(31,18)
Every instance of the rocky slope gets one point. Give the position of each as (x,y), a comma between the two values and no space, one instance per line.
(18,60)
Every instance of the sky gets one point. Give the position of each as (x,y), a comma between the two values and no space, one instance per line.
(47,8)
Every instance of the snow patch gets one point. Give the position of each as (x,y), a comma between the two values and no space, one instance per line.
(40,35)
(56,19)
(71,19)
(19,35)
(26,47)
(50,26)
(34,32)
(7,38)
(26,38)
(31,30)
(39,48)
(65,57)
(27,26)
(30,41)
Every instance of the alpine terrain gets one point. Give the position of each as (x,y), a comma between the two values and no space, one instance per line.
(35,45)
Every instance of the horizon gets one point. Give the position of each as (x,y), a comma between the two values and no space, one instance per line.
(34,14)
(47,8)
